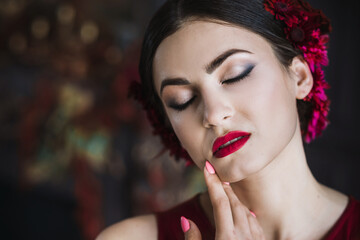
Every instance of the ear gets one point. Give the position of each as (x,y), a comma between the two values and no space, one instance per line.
(302,76)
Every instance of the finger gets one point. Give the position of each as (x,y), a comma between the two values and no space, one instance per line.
(255,228)
(239,212)
(191,231)
(220,202)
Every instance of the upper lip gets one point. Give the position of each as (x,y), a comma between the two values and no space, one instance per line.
(226,139)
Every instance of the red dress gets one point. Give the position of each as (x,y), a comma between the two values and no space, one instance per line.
(347,227)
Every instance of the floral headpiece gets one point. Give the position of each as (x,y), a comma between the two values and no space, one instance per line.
(307,28)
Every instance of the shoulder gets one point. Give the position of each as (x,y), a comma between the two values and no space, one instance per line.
(348,224)
(129,229)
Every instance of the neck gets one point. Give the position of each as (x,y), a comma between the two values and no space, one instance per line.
(286,180)
(285,195)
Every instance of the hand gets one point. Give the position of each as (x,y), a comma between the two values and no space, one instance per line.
(233,220)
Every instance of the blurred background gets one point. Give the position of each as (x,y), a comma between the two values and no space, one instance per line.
(76,154)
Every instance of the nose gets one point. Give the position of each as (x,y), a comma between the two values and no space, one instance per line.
(217,110)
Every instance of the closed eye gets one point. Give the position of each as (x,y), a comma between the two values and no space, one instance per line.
(239,77)
(181,107)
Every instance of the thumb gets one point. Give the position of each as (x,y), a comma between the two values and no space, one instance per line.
(191,231)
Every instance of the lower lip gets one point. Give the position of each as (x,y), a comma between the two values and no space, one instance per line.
(232,147)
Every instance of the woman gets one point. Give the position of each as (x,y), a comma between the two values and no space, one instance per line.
(240,84)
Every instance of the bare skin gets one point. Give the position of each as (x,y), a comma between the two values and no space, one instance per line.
(269,175)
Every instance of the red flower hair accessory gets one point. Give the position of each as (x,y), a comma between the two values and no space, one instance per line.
(307,29)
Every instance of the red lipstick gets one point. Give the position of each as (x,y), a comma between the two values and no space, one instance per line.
(229,143)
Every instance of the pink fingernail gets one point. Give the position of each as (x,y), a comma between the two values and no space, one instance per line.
(209,167)
(252,213)
(185,225)
(227,183)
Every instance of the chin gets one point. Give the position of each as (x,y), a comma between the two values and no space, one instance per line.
(236,170)
(240,168)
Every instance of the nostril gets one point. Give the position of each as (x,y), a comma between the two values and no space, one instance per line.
(216,111)
(214,120)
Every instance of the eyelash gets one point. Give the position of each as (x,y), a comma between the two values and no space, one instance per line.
(239,77)
(181,107)
(243,75)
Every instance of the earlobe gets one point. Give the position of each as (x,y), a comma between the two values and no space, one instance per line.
(302,76)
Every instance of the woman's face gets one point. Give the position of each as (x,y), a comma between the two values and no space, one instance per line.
(216,79)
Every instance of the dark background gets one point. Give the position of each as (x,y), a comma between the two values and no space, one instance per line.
(83,197)
(334,158)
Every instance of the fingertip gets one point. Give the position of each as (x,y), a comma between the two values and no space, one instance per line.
(193,231)
(209,168)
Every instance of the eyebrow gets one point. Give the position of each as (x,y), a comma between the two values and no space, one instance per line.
(221,58)
(173,81)
(209,68)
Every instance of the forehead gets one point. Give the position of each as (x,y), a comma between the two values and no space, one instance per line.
(196,43)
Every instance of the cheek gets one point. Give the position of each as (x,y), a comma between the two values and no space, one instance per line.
(276,114)
(270,111)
